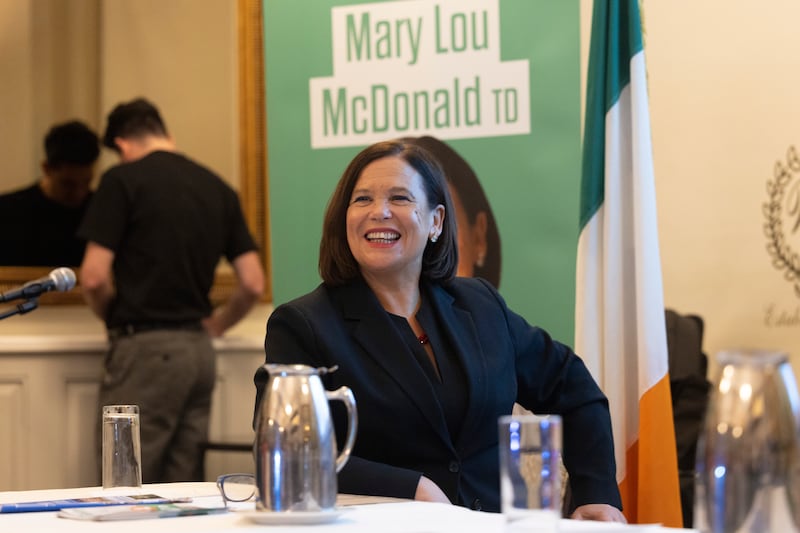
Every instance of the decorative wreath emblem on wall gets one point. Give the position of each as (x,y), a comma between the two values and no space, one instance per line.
(784,206)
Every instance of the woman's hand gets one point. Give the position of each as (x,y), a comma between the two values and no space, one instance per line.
(597,511)
(428,491)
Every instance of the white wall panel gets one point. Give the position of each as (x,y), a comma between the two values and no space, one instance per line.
(49,411)
(82,446)
(14,433)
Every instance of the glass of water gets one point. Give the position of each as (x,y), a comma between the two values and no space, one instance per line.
(530,472)
(122,448)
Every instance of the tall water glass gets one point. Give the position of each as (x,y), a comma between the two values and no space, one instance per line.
(530,472)
(748,455)
(122,448)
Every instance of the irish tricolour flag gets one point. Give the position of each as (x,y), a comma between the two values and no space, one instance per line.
(619,329)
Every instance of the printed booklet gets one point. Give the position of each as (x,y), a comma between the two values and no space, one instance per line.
(96,501)
(136,512)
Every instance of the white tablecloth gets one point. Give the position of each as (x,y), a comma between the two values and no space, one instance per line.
(361,515)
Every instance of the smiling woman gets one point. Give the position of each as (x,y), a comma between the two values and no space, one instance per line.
(200,61)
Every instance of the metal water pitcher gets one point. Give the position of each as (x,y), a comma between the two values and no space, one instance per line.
(295,449)
(748,455)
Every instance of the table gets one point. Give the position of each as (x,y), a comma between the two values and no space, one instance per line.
(361,515)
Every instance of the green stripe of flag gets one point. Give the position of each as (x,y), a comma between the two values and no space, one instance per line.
(616,38)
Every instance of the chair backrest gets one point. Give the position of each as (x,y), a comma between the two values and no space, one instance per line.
(688,366)
(685,346)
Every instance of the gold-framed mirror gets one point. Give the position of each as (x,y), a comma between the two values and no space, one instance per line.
(252,164)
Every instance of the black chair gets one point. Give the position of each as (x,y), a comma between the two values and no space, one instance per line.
(688,366)
(211,446)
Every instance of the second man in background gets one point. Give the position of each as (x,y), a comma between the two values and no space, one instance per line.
(155,232)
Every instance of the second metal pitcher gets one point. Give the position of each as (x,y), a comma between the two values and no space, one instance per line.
(295,449)
(748,454)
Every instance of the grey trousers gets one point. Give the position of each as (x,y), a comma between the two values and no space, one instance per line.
(170,375)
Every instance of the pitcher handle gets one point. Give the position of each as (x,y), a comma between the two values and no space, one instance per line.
(346,395)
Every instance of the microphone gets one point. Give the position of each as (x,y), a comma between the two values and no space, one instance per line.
(60,279)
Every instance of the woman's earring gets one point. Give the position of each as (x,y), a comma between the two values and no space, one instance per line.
(434,237)
(480,260)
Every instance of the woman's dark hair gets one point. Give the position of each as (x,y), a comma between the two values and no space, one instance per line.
(466,184)
(337,265)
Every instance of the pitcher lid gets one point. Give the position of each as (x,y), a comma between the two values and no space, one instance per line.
(750,356)
(277,369)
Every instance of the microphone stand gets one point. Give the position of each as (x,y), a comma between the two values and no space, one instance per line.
(25,307)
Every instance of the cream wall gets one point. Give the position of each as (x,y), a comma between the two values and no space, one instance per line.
(77,59)
(17,151)
(181,54)
(723,81)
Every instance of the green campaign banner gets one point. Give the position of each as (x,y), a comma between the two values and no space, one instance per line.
(490,86)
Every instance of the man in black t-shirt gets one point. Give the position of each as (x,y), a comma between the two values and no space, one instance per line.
(155,230)
(39,221)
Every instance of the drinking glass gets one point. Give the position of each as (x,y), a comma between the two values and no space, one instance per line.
(530,474)
(122,449)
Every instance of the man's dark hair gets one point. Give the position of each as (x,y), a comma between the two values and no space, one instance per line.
(71,143)
(133,119)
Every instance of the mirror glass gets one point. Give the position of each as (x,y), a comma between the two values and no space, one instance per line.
(199,61)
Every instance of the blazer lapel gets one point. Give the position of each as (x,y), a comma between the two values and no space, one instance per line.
(374,332)
(463,336)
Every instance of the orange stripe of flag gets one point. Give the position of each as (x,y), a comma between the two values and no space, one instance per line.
(650,491)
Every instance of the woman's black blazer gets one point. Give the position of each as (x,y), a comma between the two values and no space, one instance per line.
(402,433)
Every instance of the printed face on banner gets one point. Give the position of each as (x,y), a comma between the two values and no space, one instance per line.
(472,239)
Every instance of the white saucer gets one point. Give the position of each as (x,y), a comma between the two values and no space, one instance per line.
(294,517)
